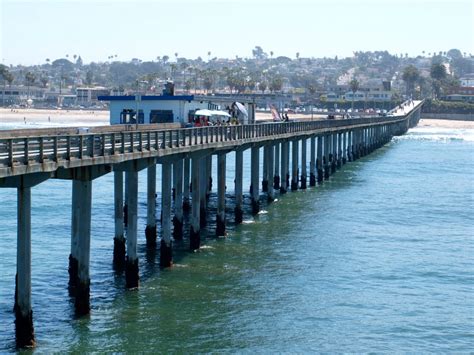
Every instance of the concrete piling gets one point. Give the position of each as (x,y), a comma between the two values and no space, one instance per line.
(195,233)
(150,230)
(24,331)
(119,238)
(204,185)
(276,176)
(319,161)
(294,165)
(312,162)
(326,157)
(265,169)
(239,161)
(254,171)
(83,235)
(131,260)
(166,253)
(303,164)
(220,222)
(186,185)
(270,170)
(178,202)
(284,167)
(334,153)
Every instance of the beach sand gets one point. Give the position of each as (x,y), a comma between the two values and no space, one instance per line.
(446,124)
(36,118)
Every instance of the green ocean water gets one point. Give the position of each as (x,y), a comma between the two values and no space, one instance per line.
(377,259)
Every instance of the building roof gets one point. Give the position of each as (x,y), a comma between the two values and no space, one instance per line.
(146,98)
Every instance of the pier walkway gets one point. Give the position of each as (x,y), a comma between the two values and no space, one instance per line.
(28,158)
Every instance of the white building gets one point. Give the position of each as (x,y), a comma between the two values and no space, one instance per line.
(163,108)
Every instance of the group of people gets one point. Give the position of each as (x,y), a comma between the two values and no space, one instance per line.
(203,121)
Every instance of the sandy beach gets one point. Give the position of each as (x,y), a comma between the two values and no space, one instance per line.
(446,124)
(37,118)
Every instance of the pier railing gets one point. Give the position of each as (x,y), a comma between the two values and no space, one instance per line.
(28,150)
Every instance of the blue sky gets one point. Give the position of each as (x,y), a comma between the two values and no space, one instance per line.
(34,30)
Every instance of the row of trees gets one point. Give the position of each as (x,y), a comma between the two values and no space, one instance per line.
(264,72)
(439,80)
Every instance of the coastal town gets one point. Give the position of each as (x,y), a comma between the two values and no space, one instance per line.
(368,82)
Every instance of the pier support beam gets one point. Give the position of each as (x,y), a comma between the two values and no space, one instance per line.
(186,183)
(131,264)
(284,167)
(339,150)
(204,185)
(119,238)
(150,230)
(319,161)
(24,331)
(326,156)
(239,162)
(166,253)
(334,153)
(195,233)
(255,169)
(312,162)
(276,177)
(294,165)
(83,208)
(303,163)
(178,201)
(349,146)
(271,163)
(265,170)
(220,222)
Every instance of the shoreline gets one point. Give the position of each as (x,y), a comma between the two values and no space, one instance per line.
(42,118)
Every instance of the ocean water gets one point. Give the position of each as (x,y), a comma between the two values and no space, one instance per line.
(378,259)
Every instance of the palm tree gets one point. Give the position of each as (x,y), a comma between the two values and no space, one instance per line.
(438,74)
(354,85)
(410,76)
(271,54)
(209,56)
(30,79)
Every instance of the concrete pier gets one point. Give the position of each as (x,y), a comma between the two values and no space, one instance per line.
(303,164)
(178,201)
(186,185)
(276,176)
(254,171)
(312,162)
(239,162)
(150,230)
(119,238)
(166,254)
(195,232)
(220,217)
(131,260)
(294,165)
(27,159)
(24,331)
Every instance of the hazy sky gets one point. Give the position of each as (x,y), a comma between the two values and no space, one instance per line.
(34,30)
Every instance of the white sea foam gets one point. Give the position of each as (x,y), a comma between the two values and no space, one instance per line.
(439,134)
